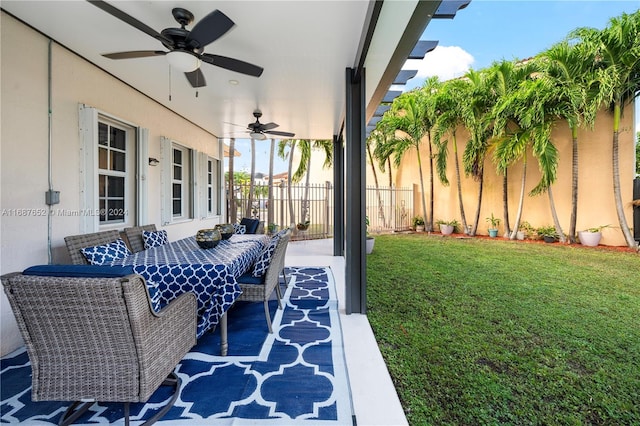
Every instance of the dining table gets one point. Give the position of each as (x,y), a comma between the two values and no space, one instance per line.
(211,274)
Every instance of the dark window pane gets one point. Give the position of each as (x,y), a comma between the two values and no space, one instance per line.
(210,166)
(102,186)
(116,186)
(102,159)
(103,210)
(118,138)
(177,172)
(103,134)
(115,210)
(177,156)
(118,161)
(177,190)
(177,208)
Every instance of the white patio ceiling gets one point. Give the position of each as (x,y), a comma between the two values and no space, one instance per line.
(304,47)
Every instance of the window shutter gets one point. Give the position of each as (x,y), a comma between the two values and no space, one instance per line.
(88,124)
(196,184)
(203,178)
(165,180)
(142,171)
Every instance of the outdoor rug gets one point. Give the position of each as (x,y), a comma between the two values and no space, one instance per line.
(297,375)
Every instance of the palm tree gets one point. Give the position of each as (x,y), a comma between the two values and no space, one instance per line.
(284,154)
(406,115)
(618,81)
(450,101)
(270,218)
(569,66)
(304,167)
(523,120)
(376,138)
(251,196)
(478,120)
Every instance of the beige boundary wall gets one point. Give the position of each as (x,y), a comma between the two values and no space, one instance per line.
(596,205)
(24,147)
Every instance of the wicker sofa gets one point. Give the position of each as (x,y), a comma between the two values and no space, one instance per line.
(99,339)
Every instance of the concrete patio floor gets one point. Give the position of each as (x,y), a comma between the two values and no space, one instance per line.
(375,401)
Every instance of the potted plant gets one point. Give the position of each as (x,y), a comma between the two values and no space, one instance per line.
(494,222)
(418,223)
(370,240)
(303,226)
(525,230)
(547,233)
(272,228)
(448,227)
(591,236)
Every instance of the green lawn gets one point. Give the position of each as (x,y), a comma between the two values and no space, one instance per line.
(477,331)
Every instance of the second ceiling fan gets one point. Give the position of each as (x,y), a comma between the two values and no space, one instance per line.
(259,131)
(186,48)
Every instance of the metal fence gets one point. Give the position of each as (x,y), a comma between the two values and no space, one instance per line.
(388,209)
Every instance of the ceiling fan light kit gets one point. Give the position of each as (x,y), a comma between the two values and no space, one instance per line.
(183,61)
(258,136)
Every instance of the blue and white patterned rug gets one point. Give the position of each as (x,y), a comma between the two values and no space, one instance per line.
(297,375)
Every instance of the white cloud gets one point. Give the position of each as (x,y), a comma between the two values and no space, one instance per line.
(446,62)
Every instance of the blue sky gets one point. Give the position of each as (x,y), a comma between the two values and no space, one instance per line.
(484,32)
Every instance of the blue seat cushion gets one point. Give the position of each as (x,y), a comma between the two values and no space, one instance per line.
(79,271)
(250,224)
(248,278)
(95,271)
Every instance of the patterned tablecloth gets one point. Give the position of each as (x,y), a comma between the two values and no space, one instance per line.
(182,266)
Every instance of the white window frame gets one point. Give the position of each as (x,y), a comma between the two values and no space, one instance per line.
(210,190)
(88,211)
(188,182)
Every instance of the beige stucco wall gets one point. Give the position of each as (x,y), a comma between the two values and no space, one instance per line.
(596,205)
(24,141)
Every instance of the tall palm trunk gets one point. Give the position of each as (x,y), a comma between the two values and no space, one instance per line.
(375,181)
(231,194)
(430,224)
(624,227)
(574,184)
(389,171)
(554,214)
(424,202)
(270,218)
(516,225)
(292,220)
(480,188)
(251,182)
(505,202)
(463,218)
(305,200)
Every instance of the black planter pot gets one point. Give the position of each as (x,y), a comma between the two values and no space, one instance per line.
(548,239)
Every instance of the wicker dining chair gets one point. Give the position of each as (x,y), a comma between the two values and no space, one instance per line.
(75,243)
(260,289)
(99,340)
(134,236)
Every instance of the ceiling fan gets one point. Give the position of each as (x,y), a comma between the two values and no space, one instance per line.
(186,48)
(259,131)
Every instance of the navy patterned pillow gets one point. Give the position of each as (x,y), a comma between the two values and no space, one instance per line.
(263,262)
(239,229)
(105,254)
(154,239)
